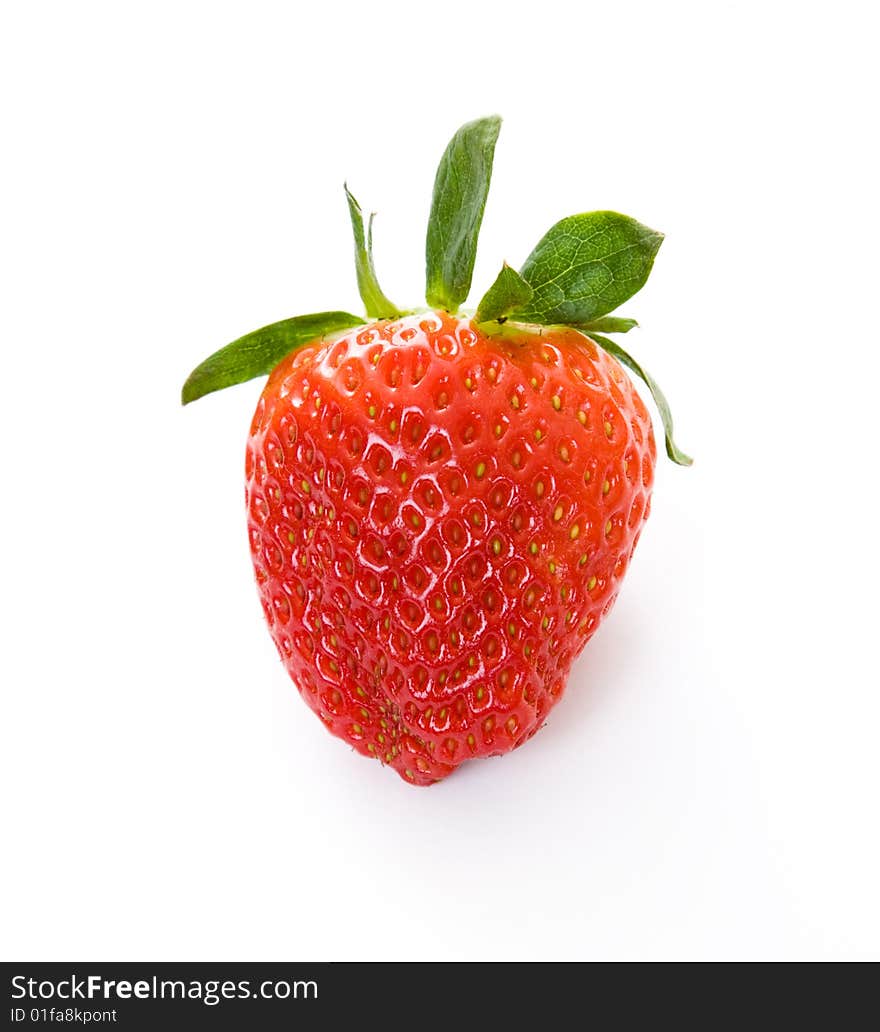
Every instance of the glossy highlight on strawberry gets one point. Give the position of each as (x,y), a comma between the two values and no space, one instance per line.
(439,521)
(441,504)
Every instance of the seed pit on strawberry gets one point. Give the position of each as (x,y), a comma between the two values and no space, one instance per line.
(441,505)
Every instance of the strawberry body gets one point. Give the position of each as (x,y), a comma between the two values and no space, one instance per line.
(439,521)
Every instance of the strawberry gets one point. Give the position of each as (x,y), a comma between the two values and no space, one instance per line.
(441,505)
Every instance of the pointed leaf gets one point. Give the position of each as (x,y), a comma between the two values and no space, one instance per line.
(257,353)
(587,265)
(376,303)
(608,324)
(508,292)
(662,404)
(460,191)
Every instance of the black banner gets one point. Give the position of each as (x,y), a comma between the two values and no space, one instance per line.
(135,996)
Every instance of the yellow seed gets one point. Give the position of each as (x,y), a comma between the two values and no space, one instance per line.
(606,487)
(582,417)
(306,486)
(538,435)
(496,546)
(481,469)
(608,428)
(514,401)
(392,426)
(497,429)
(404,476)
(551,566)
(557,402)
(588,476)
(491,373)
(533,548)
(534,382)
(539,488)
(607,528)
(317,402)
(573,533)
(468,382)
(591,583)
(557,513)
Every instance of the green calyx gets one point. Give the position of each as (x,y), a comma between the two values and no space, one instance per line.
(508,293)
(257,354)
(580,271)
(376,304)
(460,190)
(672,449)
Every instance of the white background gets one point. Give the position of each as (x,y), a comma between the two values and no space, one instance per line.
(173,178)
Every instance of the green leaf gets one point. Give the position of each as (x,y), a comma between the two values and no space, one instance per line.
(608,324)
(460,191)
(662,404)
(587,265)
(257,353)
(376,303)
(509,292)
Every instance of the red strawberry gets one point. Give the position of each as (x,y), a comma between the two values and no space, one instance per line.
(441,508)
(439,521)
